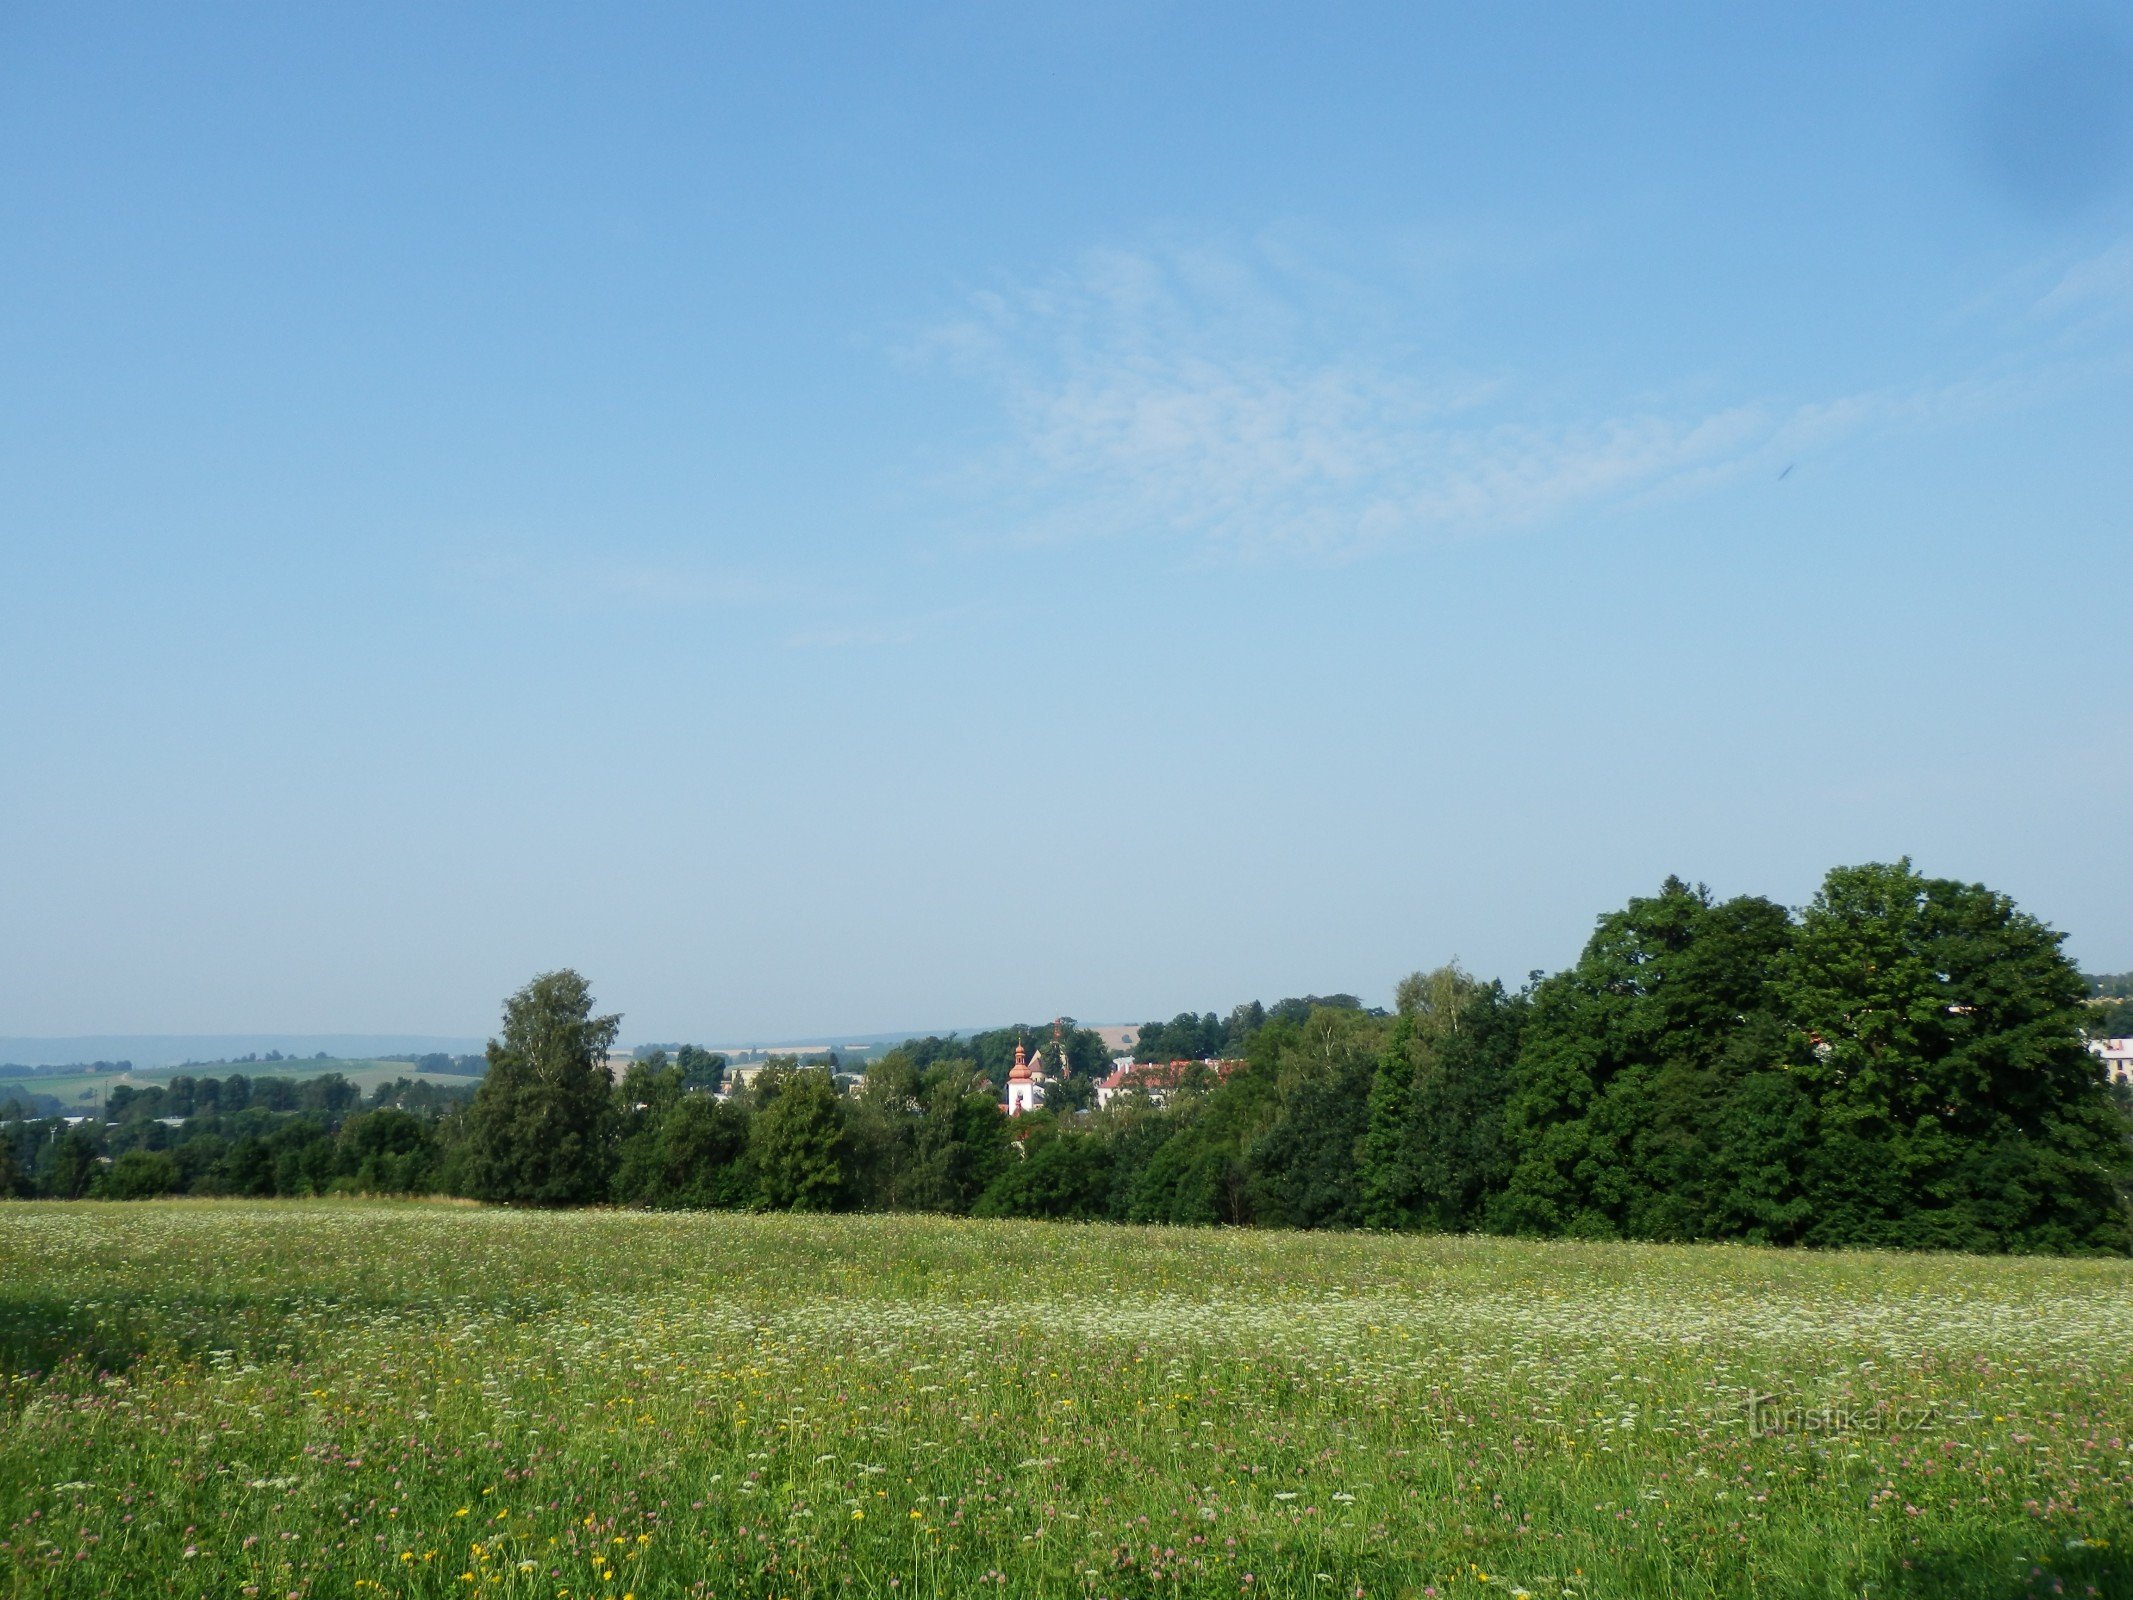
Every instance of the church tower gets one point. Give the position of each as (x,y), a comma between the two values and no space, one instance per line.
(1023,1084)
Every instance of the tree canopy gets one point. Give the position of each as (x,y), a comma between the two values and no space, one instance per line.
(1902,1063)
(538,1130)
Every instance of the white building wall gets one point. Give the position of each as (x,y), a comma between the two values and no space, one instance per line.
(2117,1057)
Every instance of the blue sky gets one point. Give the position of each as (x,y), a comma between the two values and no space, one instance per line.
(832,519)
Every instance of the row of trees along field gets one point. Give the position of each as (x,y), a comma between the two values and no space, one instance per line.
(1900,1064)
(239,1135)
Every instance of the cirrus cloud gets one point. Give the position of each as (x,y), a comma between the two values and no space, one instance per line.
(1229,398)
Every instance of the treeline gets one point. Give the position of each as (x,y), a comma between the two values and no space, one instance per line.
(2110,1010)
(12,1069)
(1901,1064)
(242,1136)
(1186,1037)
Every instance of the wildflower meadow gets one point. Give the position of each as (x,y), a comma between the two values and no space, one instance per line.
(336,1398)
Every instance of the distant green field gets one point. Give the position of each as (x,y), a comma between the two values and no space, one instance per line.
(88,1089)
(312,1399)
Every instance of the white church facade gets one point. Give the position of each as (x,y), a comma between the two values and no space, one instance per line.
(1029,1076)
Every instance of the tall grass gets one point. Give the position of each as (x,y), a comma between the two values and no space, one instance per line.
(217,1398)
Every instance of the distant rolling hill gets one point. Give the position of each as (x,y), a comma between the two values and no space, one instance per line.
(150,1050)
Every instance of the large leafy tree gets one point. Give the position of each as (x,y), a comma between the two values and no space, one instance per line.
(1434,1152)
(1629,1062)
(682,1148)
(1937,1029)
(540,1129)
(960,1142)
(69,1165)
(1058,1174)
(797,1141)
(881,1126)
(1189,1161)
(700,1068)
(1305,1163)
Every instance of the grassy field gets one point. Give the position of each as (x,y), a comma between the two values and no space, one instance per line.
(321,1399)
(85,1091)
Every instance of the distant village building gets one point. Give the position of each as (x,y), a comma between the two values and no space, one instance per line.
(2117,1057)
(739,1075)
(1158,1080)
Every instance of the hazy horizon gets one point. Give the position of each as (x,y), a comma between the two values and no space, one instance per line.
(814,515)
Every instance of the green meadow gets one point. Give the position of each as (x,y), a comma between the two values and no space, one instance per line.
(84,1092)
(337,1399)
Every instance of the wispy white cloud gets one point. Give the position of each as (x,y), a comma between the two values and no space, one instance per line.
(1219,396)
(2097,285)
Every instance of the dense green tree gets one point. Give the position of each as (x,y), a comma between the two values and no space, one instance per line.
(1062,1174)
(1198,1171)
(693,1154)
(303,1158)
(648,1092)
(1064,1096)
(1202,1037)
(1304,1164)
(539,1129)
(197,1158)
(140,1175)
(387,1151)
(1185,1037)
(703,1070)
(1435,1155)
(882,1124)
(1762,1145)
(1458,1155)
(1386,1194)
(69,1165)
(797,1141)
(248,1169)
(1629,1058)
(1937,1028)
(960,1142)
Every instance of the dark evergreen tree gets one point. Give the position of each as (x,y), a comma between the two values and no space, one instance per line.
(1385,1180)
(700,1069)
(387,1151)
(247,1169)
